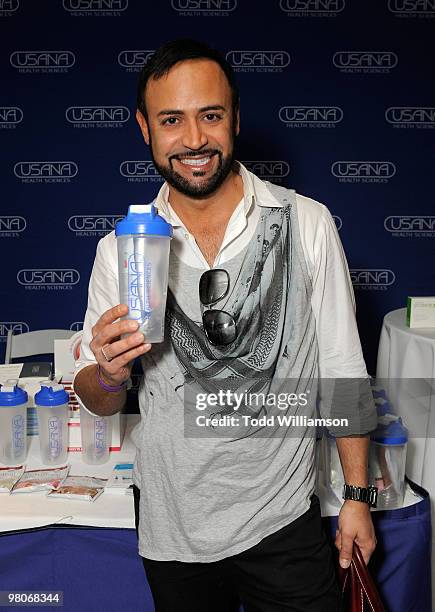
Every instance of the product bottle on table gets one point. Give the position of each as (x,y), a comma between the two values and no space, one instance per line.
(96,437)
(13,423)
(143,239)
(52,408)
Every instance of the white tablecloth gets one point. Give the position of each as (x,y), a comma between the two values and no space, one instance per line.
(406,367)
(26,510)
(409,355)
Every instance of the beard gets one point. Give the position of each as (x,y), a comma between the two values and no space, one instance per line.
(200,189)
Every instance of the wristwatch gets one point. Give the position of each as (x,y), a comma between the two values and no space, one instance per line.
(369,495)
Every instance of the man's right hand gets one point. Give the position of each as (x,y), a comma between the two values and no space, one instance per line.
(114,355)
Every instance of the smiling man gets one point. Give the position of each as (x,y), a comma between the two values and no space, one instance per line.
(259,290)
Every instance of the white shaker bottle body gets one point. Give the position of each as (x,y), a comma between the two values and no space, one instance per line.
(96,434)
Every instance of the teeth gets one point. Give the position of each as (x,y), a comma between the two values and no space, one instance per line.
(195,162)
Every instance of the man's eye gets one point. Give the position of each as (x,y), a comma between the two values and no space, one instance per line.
(170,121)
(212,116)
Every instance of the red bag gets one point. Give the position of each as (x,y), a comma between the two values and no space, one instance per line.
(358,590)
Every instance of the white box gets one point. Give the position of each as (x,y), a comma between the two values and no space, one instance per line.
(420,312)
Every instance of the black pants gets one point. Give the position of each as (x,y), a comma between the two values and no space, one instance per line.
(288,571)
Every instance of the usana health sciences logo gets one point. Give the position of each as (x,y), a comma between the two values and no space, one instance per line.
(45,171)
(268,170)
(421,117)
(134,59)
(412,8)
(97,116)
(373,279)
(95,8)
(93,225)
(363,171)
(310,116)
(258,61)
(16,327)
(365,62)
(8,7)
(410,226)
(139,171)
(312,8)
(42,61)
(10,117)
(11,226)
(204,8)
(54,279)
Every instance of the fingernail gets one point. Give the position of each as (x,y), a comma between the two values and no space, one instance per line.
(139,337)
(147,347)
(344,563)
(133,325)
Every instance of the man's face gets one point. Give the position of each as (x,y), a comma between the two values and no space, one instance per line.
(190,128)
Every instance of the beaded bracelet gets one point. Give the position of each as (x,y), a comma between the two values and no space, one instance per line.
(107,387)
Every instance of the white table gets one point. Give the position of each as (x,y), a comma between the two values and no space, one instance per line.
(406,369)
(27,510)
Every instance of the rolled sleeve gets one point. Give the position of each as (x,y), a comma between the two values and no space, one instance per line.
(347,392)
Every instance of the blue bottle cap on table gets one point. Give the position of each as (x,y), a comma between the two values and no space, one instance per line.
(51,394)
(143,219)
(11,394)
(394,433)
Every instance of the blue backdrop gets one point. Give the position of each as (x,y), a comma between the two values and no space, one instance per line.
(337,101)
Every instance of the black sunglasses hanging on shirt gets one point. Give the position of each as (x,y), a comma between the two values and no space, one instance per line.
(219,326)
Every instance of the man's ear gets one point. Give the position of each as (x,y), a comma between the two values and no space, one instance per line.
(143,126)
(237,123)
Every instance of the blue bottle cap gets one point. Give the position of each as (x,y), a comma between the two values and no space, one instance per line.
(394,433)
(11,394)
(143,219)
(51,394)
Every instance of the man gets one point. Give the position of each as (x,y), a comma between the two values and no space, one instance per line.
(226,518)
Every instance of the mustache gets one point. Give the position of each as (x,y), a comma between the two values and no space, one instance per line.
(193,154)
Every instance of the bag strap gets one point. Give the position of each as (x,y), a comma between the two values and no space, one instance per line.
(360,585)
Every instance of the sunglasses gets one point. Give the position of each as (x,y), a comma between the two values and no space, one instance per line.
(219,326)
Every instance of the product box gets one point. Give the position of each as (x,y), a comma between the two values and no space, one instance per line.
(420,312)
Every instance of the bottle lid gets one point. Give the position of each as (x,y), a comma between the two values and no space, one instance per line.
(51,394)
(143,219)
(11,394)
(391,433)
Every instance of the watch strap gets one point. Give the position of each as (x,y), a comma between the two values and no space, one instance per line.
(369,495)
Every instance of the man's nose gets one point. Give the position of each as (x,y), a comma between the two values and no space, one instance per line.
(194,136)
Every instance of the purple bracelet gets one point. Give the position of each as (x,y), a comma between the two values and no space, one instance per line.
(107,387)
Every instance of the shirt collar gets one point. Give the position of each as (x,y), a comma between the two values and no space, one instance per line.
(255,192)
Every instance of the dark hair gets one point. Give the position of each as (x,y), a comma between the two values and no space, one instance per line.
(169,54)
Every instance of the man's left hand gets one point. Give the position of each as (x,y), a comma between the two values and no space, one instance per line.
(355,524)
